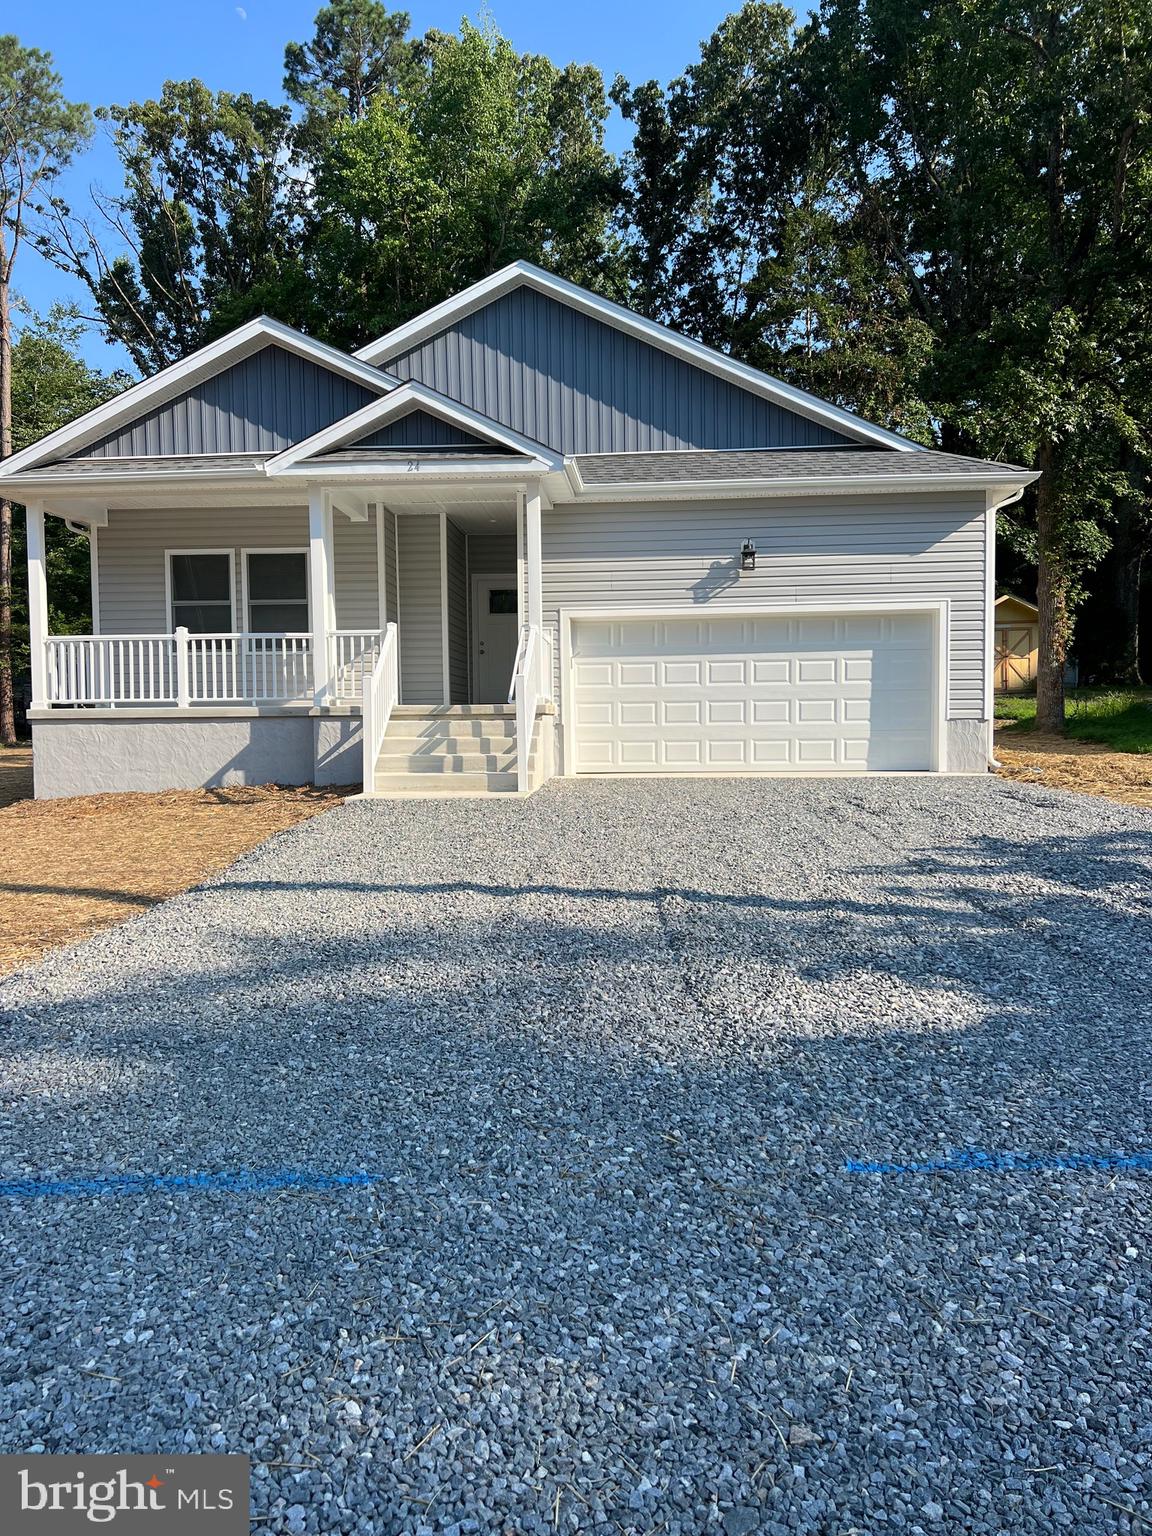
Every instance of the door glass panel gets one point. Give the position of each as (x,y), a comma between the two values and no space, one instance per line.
(502,600)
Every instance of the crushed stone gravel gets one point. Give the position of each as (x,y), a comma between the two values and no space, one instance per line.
(610,1049)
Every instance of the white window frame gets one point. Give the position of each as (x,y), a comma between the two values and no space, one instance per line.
(168,595)
(274,549)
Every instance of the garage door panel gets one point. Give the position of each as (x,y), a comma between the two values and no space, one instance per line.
(798,695)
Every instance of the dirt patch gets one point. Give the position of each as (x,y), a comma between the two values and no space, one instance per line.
(1084,766)
(15,774)
(70,867)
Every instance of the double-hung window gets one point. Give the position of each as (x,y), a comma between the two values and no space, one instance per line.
(200,590)
(276,581)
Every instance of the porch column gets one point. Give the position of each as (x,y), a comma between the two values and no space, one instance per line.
(533,559)
(37,603)
(320,583)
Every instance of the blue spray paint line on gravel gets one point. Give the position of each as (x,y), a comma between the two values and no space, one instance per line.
(241,1181)
(972,1160)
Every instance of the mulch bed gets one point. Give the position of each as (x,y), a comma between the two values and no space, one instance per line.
(1083,766)
(71,867)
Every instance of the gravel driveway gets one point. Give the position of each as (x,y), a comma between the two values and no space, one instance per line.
(609,1055)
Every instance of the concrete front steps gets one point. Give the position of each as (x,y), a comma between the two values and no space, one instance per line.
(448,749)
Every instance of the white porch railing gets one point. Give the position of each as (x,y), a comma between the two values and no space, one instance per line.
(352,655)
(381,695)
(184,670)
(531,686)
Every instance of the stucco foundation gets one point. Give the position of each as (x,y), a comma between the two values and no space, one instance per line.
(111,753)
(968,746)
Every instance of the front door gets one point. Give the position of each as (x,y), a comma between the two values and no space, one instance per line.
(495,623)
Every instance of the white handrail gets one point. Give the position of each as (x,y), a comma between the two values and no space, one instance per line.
(352,654)
(381,695)
(527,692)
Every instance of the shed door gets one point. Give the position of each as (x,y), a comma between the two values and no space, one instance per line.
(753,695)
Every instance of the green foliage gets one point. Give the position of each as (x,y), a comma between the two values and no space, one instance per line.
(40,130)
(413,168)
(484,157)
(1118,718)
(358,50)
(206,215)
(51,386)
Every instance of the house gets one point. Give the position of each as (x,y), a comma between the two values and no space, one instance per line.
(528,532)
(1016,644)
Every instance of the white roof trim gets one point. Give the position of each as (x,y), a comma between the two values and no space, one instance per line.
(521,272)
(408,397)
(185,374)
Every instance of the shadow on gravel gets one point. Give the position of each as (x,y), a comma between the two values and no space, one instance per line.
(613,1273)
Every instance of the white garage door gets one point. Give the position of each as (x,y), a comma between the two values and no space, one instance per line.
(753,695)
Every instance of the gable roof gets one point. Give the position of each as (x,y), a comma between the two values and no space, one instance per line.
(1019,602)
(178,378)
(524,274)
(405,398)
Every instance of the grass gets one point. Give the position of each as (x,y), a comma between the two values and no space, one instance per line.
(1119,718)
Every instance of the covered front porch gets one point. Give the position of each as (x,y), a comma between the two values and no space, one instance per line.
(302,618)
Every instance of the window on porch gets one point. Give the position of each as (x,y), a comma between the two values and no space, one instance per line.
(277,586)
(200,587)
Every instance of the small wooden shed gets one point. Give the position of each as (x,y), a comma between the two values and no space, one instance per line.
(1016,643)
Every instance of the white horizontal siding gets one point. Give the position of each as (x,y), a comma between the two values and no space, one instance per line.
(421,636)
(833,552)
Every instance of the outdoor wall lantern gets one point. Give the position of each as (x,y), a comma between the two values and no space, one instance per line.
(747,556)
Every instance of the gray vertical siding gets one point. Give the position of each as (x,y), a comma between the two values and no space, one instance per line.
(260,405)
(457,548)
(420,429)
(421,649)
(580,385)
(357,586)
(819,552)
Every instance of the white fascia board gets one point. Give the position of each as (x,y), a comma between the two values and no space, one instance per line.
(680,490)
(189,371)
(405,398)
(380,471)
(470,299)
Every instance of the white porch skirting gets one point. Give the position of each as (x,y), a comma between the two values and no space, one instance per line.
(111,752)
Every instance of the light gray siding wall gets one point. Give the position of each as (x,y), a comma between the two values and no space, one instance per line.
(457,551)
(354,558)
(834,551)
(131,558)
(491,554)
(262,404)
(581,386)
(421,640)
(391,593)
(132,564)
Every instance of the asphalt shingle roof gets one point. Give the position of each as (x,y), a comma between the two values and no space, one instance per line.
(776,464)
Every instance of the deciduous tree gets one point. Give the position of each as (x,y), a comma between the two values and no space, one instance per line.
(40,132)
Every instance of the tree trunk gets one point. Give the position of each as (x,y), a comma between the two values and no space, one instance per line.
(1125,572)
(1052,600)
(7,701)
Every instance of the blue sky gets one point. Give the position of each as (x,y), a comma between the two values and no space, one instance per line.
(111,51)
